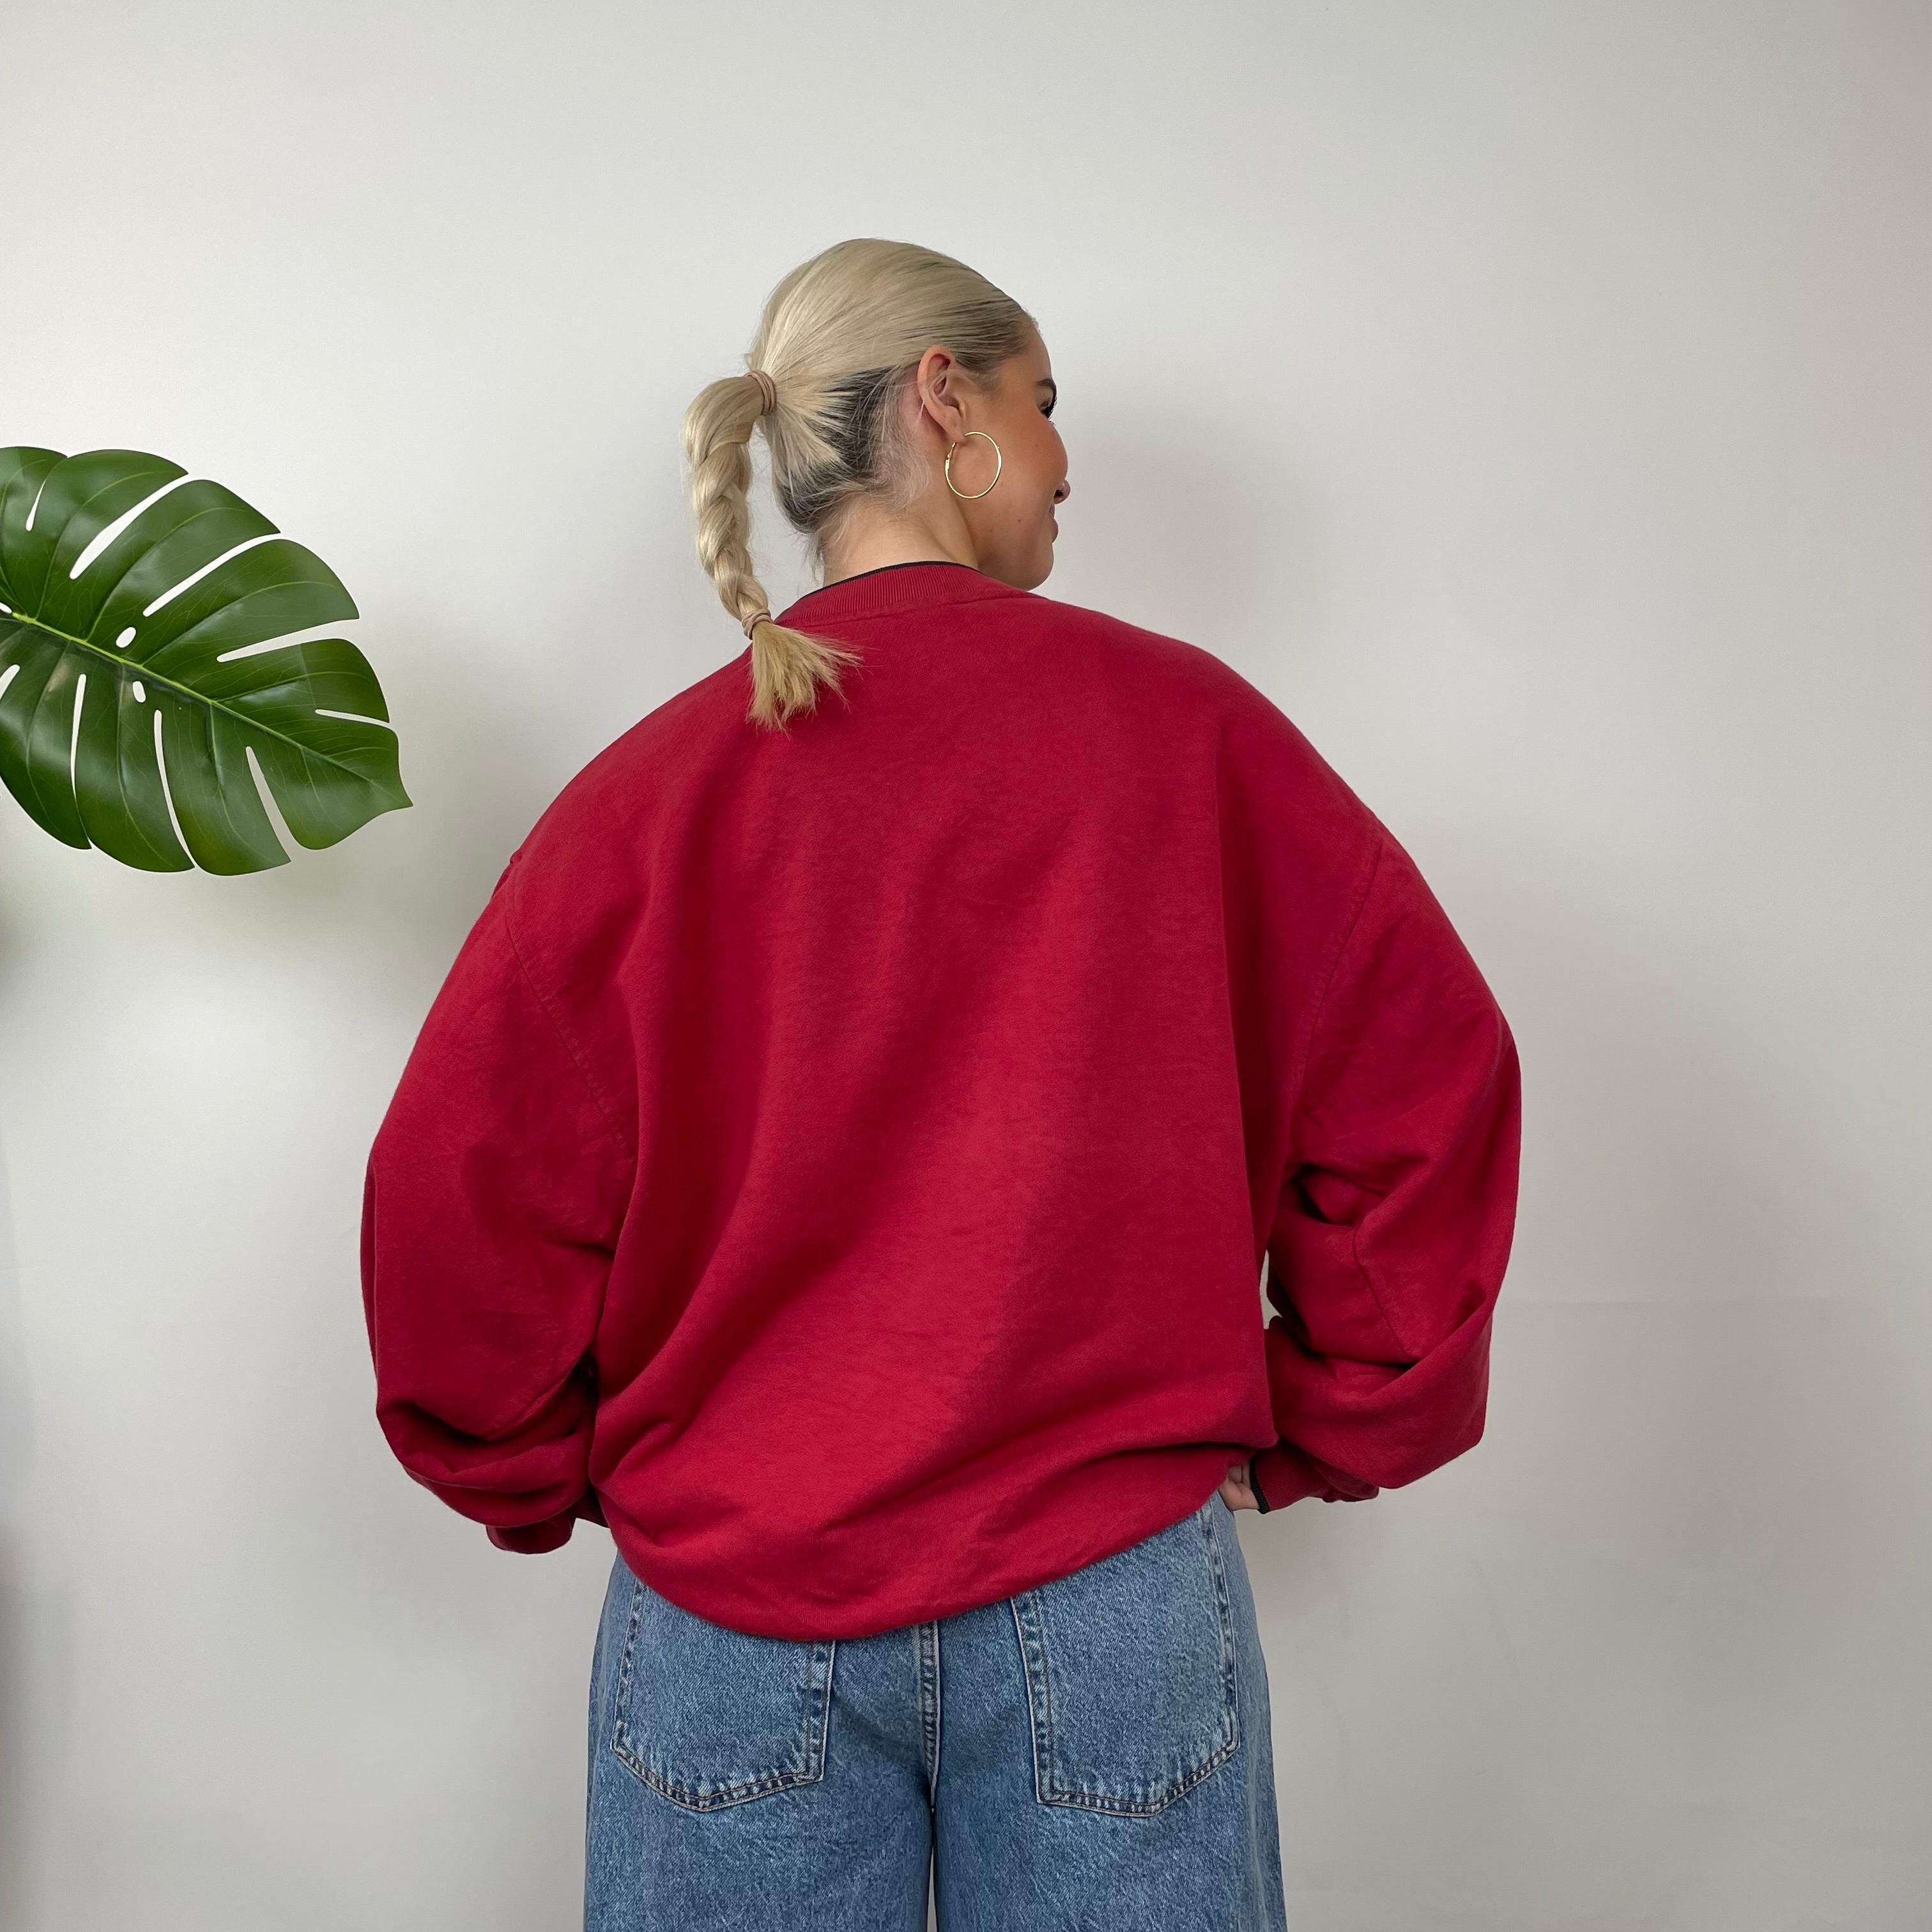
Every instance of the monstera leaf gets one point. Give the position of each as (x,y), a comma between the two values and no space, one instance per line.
(137,672)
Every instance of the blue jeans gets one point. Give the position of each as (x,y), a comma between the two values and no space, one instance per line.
(1093,1753)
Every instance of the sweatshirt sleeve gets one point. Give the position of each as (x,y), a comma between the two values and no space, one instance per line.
(1393,1224)
(493,1196)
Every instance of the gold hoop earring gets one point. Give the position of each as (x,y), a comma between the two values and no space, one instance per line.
(999,464)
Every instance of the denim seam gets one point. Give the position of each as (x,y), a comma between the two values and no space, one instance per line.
(1039,1710)
(929,1715)
(813,1733)
(1048,1786)
(1230,1649)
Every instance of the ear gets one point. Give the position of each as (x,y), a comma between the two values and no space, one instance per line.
(940,384)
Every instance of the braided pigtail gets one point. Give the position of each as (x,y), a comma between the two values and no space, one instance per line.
(787,666)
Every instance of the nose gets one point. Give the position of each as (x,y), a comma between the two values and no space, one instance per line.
(1065,490)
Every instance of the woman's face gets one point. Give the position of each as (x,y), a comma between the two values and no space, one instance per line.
(1012,526)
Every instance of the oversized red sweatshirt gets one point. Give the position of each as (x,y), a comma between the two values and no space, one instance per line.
(843,1161)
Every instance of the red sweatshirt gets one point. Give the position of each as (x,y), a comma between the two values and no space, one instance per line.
(843,1161)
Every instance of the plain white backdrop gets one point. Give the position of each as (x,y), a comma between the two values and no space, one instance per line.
(1532,399)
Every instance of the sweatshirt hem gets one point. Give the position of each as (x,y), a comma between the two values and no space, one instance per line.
(1181,1491)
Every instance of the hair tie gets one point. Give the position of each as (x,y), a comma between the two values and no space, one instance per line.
(767,389)
(757,617)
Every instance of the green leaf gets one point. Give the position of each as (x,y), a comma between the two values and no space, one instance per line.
(120,686)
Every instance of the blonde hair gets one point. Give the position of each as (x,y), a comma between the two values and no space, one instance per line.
(840,337)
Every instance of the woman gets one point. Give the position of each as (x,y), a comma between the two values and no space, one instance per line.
(842,1159)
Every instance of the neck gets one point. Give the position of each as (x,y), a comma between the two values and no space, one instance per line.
(872,540)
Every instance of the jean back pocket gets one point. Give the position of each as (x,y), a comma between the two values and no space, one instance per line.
(709,1717)
(1130,1672)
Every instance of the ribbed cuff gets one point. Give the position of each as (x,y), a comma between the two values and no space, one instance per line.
(534,1539)
(1285,1474)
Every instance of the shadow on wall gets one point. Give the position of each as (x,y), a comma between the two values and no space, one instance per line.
(16,1449)
(1701,1459)
(380,916)
(1739,1360)
(481,766)
(1714,1329)
(407,885)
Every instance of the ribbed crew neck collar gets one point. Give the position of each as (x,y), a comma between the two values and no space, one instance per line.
(893,586)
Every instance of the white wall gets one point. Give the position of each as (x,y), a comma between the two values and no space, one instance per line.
(1531,398)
